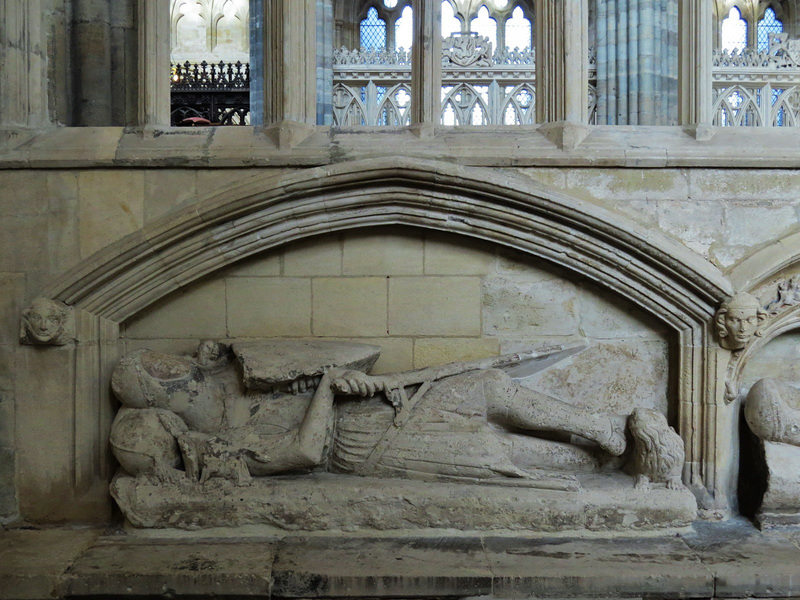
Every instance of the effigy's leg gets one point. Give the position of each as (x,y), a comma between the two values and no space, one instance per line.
(517,406)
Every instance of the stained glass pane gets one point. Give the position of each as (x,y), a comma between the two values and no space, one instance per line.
(518,30)
(373,31)
(734,31)
(768,24)
(390,3)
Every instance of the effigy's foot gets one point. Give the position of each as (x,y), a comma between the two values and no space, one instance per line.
(616,442)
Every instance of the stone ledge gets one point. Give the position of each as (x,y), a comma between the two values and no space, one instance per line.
(714,560)
(328,502)
(603,146)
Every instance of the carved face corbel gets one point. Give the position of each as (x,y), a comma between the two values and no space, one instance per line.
(739,319)
(46,322)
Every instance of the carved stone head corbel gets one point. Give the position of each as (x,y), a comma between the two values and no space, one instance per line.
(738,320)
(47,322)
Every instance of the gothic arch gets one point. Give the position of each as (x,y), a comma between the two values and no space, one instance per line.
(661,276)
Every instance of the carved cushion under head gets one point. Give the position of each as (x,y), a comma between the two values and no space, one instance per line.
(270,364)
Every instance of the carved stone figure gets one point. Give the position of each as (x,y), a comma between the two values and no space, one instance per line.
(738,319)
(772,411)
(480,413)
(297,407)
(46,321)
(658,453)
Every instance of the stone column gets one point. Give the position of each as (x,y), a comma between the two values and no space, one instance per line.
(154,49)
(23,64)
(636,62)
(256,62)
(562,61)
(124,48)
(325,32)
(290,61)
(91,49)
(426,65)
(694,58)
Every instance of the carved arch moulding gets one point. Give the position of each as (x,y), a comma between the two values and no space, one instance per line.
(664,278)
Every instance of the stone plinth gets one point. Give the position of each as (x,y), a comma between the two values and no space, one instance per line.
(781,503)
(329,502)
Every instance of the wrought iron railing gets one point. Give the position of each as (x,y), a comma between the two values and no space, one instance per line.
(758,89)
(216,94)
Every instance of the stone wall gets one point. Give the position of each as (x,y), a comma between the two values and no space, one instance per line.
(425,297)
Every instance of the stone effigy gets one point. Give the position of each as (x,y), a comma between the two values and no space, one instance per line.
(297,435)
(772,411)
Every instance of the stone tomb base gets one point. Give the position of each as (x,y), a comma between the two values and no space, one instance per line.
(781,503)
(327,502)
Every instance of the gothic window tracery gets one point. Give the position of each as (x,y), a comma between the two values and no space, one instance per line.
(372,31)
(768,24)
(485,81)
(734,31)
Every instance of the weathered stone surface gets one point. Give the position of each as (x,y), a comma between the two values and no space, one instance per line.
(352,306)
(267,364)
(386,251)
(525,308)
(32,562)
(142,568)
(433,567)
(619,567)
(438,351)
(316,256)
(745,563)
(326,502)
(268,307)
(781,503)
(265,264)
(434,306)
(197,312)
(106,215)
(447,255)
(639,377)
(8,472)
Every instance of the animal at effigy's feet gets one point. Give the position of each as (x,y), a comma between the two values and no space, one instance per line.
(309,409)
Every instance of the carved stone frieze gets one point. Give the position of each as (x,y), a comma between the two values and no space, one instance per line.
(788,295)
(468,50)
(47,322)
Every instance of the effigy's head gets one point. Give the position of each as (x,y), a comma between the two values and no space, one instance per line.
(144,378)
(738,320)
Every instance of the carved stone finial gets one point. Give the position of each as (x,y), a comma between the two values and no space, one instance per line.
(738,320)
(46,322)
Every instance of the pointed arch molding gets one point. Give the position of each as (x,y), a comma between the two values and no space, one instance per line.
(656,273)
